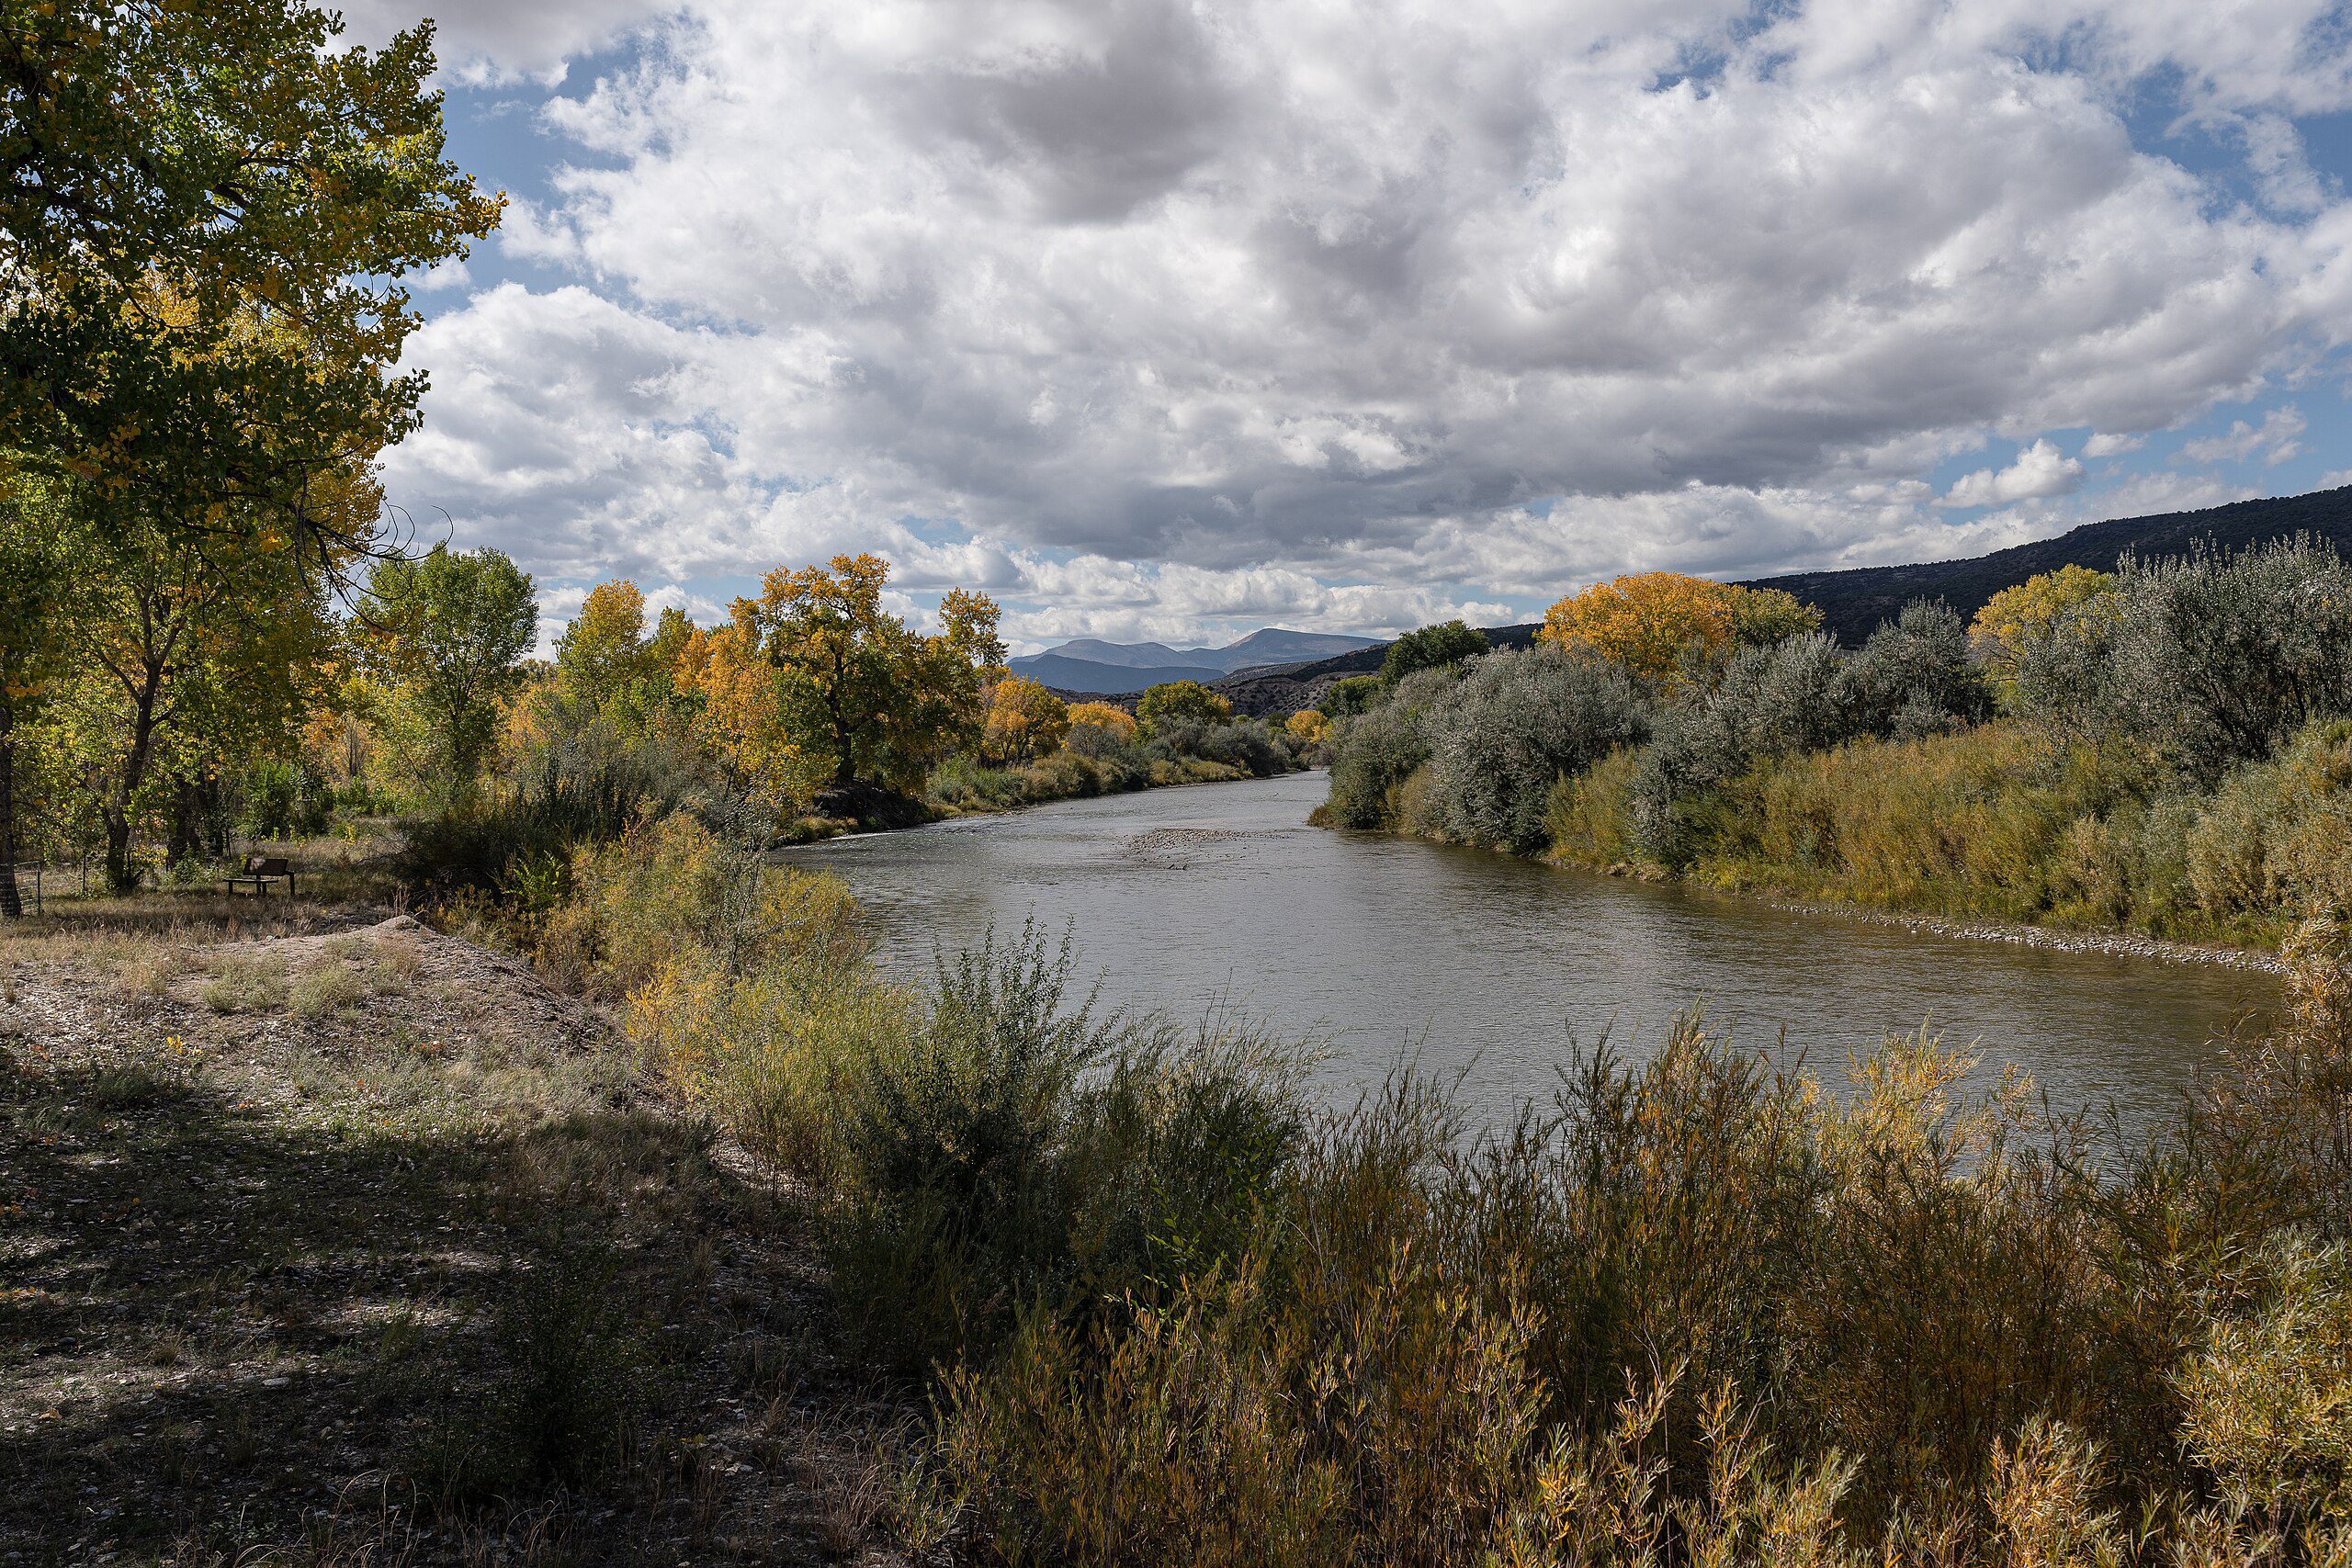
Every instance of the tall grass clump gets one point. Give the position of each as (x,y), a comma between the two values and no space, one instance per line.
(582,786)
(1018,1151)
(747,985)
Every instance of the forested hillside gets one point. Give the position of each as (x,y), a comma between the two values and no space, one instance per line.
(1853,603)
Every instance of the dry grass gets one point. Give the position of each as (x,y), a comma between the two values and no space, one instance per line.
(259,1258)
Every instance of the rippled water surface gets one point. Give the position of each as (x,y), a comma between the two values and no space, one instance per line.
(1184,899)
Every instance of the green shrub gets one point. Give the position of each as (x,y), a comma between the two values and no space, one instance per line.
(1375,752)
(1430,648)
(576,1369)
(1016,1149)
(2209,661)
(284,799)
(1514,725)
(1351,695)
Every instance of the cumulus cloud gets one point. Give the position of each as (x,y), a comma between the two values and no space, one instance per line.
(2107,444)
(2274,439)
(506,40)
(2040,470)
(1488,295)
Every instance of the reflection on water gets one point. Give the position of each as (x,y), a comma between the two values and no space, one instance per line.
(1184,899)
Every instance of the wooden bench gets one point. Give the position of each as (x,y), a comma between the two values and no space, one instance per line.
(261,870)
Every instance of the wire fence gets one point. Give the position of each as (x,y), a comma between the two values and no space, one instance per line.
(38,881)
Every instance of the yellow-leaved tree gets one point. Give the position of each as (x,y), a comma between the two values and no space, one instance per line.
(604,659)
(2016,618)
(1024,721)
(880,701)
(1666,626)
(732,690)
(1098,728)
(1181,701)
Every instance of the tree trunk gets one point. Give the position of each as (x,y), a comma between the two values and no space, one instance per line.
(120,875)
(12,906)
(188,819)
(215,820)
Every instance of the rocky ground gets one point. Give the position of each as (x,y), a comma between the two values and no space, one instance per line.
(327,1239)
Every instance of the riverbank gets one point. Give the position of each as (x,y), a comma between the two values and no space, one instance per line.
(2120,943)
(964,788)
(485,1276)
(1174,1312)
(1989,832)
(2115,941)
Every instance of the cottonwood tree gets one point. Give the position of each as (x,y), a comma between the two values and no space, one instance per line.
(185,646)
(1182,700)
(606,663)
(731,695)
(1024,721)
(1667,627)
(207,212)
(2015,618)
(39,599)
(447,632)
(860,689)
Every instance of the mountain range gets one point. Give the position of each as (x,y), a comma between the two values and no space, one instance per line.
(1090,666)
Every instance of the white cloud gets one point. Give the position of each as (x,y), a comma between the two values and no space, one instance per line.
(506,40)
(2274,438)
(1290,297)
(2107,444)
(2040,470)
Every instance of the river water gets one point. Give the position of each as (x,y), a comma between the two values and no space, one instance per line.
(1220,895)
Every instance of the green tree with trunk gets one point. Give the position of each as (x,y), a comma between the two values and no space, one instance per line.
(448,631)
(37,600)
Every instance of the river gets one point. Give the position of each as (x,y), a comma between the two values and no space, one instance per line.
(1470,963)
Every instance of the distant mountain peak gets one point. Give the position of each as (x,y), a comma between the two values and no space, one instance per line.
(1269,645)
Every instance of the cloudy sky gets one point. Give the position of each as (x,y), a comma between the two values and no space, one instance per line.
(1174,320)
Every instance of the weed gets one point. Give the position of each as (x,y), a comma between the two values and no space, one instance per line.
(246,985)
(325,989)
(575,1367)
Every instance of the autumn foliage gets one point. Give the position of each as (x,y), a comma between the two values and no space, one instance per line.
(1182,700)
(1663,625)
(1024,721)
(2016,616)
(1114,722)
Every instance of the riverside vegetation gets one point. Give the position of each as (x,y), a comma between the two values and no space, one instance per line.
(1167,1308)
(2166,746)
(804,1258)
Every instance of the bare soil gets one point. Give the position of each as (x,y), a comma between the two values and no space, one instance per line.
(328,1238)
